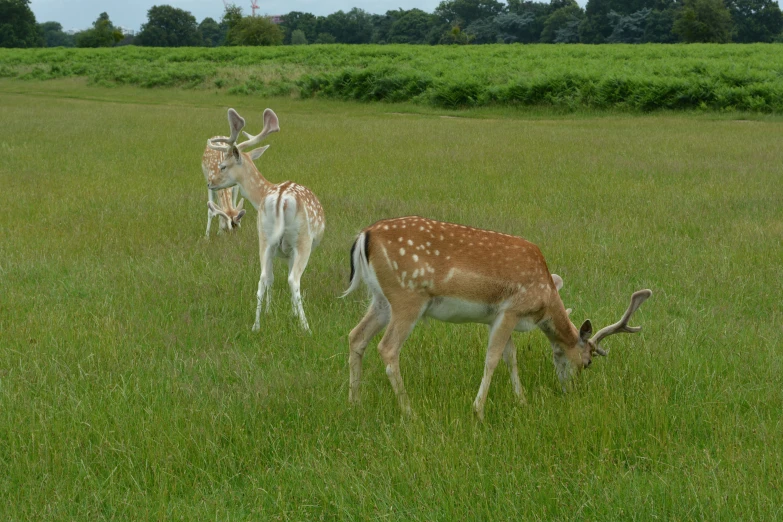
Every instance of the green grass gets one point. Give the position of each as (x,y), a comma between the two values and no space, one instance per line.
(629,78)
(131,386)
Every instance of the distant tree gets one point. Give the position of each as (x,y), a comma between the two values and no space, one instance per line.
(412,27)
(703,21)
(17,25)
(562,26)
(212,34)
(232,16)
(102,34)
(55,36)
(325,38)
(755,20)
(257,30)
(629,28)
(169,27)
(353,27)
(305,22)
(503,28)
(539,11)
(598,25)
(658,28)
(298,37)
(456,36)
(465,12)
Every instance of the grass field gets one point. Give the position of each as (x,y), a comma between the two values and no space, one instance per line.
(627,78)
(131,386)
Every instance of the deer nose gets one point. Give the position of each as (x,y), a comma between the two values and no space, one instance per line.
(587,365)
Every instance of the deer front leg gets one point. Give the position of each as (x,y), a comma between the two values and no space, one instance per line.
(297,265)
(510,357)
(376,318)
(498,338)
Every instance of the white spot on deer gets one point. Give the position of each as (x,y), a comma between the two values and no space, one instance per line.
(415,257)
(437,253)
(410,242)
(402,251)
(415,274)
(386,227)
(449,275)
(421,229)
(394,265)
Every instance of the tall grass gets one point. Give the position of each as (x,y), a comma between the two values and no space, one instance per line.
(621,77)
(131,386)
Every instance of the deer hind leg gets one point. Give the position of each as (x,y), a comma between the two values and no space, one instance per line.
(510,357)
(297,264)
(498,339)
(210,215)
(400,327)
(376,318)
(267,254)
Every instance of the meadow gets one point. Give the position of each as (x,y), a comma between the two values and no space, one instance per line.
(132,388)
(631,78)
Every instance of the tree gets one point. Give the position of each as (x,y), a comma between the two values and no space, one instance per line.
(298,37)
(169,27)
(629,28)
(540,11)
(562,26)
(17,25)
(102,34)
(211,33)
(305,22)
(325,38)
(257,30)
(55,36)
(658,28)
(703,21)
(503,28)
(353,27)
(755,20)
(465,12)
(232,16)
(412,27)
(598,24)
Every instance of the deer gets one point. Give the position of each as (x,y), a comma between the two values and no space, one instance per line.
(416,267)
(229,212)
(290,218)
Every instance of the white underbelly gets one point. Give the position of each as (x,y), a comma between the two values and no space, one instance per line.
(454,310)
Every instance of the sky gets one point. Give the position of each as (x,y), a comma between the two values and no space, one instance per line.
(130,14)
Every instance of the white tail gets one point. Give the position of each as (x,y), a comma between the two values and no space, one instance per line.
(418,267)
(290,218)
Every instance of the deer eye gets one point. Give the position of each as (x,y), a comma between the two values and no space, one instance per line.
(222,167)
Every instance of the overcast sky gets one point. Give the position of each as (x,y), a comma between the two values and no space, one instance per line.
(80,14)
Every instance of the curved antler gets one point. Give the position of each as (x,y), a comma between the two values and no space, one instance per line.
(271,124)
(621,326)
(236,123)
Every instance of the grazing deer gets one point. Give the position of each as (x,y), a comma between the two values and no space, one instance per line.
(290,217)
(229,212)
(418,267)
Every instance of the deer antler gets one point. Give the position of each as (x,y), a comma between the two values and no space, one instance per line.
(236,123)
(271,124)
(622,325)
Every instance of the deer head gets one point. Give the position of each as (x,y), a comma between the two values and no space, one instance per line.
(235,161)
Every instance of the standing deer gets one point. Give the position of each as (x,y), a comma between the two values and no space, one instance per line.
(290,218)
(229,212)
(418,267)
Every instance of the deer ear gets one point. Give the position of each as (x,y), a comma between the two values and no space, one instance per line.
(586,331)
(256,153)
(237,155)
(239,216)
(235,122)
(558,281)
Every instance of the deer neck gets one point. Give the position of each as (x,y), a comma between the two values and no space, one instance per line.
(252,183)
(558,327)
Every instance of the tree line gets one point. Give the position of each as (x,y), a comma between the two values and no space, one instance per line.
(452,22)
